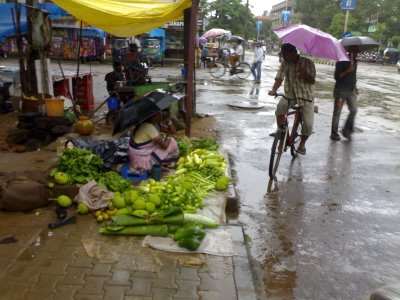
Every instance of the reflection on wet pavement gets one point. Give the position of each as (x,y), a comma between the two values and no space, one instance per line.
(327,228)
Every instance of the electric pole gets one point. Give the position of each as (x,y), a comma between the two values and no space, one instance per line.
(246,20)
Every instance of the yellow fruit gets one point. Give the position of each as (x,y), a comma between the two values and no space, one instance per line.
(100,218)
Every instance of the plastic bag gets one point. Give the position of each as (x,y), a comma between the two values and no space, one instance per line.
(94,196)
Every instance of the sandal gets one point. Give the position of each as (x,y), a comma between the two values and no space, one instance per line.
(301,151)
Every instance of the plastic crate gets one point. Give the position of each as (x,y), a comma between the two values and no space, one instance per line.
(136,175)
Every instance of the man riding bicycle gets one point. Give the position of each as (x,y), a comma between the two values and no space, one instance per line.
(299,75)
(235,56)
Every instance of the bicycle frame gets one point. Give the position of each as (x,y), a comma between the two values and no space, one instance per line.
(220,67)
(297,120)
(286,137)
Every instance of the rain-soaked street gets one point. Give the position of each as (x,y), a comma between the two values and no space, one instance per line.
(329,226)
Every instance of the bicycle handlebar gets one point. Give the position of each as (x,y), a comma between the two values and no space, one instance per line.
(291,99)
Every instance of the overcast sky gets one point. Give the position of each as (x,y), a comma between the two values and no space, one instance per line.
(260,5)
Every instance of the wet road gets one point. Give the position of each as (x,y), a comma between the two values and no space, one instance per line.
(329,227)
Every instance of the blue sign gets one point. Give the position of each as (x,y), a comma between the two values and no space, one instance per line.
(348,4)
(258,25)
(347,34)
(285,17)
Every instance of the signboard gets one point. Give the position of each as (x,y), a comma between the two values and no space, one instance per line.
(285,17)
(348,4)
(258,25)
(347,34)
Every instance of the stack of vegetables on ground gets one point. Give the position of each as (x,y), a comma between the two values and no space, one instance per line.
(186,229)
(153,207)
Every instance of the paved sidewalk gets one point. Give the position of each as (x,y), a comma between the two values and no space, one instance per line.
(76,262)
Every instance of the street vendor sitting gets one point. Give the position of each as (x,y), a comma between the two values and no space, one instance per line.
(113,77)
(148,147)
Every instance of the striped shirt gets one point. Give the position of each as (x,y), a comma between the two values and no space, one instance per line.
(296,87)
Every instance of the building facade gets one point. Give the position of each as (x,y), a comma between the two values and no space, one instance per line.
(278,16)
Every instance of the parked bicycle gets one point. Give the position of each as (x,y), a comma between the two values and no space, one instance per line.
(286,137)
(221,65)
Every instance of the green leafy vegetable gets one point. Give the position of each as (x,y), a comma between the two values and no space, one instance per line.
(114,182)
(80,164)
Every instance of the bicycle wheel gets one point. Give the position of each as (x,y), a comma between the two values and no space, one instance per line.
(278,147)
(217,69)
(295,138)
(243,70)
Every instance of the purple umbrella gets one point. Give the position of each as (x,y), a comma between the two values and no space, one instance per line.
(216,33)
(313,41)
(202,40)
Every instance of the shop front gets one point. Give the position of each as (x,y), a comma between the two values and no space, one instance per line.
(65,40)
(174,45)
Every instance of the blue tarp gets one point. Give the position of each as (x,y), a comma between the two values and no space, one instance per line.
(158,32)
(93,32)
(6,19)
(7,27)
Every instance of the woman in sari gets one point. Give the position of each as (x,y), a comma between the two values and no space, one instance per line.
(148,147)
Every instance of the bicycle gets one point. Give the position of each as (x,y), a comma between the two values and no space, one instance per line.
(282,139)
(220,66)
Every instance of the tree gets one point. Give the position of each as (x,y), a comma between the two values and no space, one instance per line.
(316,13)
(337,26)
(229,15)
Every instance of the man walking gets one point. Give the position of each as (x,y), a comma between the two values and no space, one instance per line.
(258,59)
(345,90)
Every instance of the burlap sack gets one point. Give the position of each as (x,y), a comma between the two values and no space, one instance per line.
(21,194)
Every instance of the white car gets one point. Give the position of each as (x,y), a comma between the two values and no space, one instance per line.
(398,66)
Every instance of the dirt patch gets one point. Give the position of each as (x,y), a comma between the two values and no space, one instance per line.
(202,127)
(8,122)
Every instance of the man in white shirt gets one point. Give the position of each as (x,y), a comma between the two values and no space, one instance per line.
(235,56)
(258,59)
(264,48)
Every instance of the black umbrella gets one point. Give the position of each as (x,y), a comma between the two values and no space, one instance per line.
(135,112)
(362,42)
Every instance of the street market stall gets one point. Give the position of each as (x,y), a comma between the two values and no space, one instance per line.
(128,18)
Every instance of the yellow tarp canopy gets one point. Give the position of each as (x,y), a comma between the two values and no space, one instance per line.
(125,18)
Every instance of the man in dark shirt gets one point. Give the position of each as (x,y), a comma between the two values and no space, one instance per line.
(116,75)
(345,90)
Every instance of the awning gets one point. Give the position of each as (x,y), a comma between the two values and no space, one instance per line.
(125,18)
(6,17)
